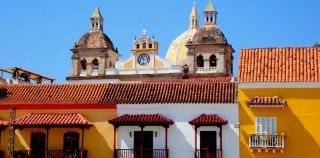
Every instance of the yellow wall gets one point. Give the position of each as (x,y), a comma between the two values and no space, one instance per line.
(158,64)
(128,64)
(98,139)
(299,121)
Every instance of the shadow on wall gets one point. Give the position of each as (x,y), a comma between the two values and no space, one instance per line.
(178,144)
(298,121)
(98,144)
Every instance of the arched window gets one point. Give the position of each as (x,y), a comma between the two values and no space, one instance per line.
(70,142)
(150,45)
(213,61)
(207,19)
(38,144)
(138,46)
(83,64)
(200,61)
(144,45)
(95,67)
(211,19)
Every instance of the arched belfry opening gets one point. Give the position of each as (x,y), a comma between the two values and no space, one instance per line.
(95,67)
(200,61)
(213,61)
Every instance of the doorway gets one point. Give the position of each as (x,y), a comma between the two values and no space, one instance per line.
(143,139)
(208,144)
(38,145)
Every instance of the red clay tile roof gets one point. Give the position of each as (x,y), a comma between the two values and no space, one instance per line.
(266,101)
(208,120)
(52,120)
(122,93)
(3,123)
(52,94)
(280,65)
(141,119)
(147,93)
(194,80)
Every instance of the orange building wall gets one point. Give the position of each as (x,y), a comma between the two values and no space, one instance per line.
(98,139)
(299,121)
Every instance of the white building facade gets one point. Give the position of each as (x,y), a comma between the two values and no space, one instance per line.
(179,136)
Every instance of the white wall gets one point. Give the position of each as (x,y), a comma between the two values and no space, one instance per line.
(181,133)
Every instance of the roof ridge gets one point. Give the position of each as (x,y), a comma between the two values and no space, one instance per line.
(284,47)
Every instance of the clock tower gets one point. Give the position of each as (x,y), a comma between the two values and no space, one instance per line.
(144,51)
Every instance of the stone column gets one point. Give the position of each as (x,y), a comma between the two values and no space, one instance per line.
(191,61)
(75,66)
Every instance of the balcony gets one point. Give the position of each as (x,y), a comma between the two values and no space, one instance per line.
(50,154)
(145,153)
(266,142)
(208,153)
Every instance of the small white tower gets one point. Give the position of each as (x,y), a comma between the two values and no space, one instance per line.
(194,18)
(210,14)
(96,20)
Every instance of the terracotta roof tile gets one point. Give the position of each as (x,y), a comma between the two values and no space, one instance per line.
(3,123)
(52,119)
(280,65)
(194,80)
(147,93)
(141,119)
(266,102)
(122,93)
(208,120)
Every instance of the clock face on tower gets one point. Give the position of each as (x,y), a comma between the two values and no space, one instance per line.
(143,59)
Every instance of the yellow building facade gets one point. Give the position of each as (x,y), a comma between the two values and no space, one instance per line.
(54,111)
(279,103)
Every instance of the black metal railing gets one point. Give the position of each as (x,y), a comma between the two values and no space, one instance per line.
(50,154)
(208,153)
(145,153)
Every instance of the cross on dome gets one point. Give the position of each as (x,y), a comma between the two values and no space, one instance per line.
(144,32)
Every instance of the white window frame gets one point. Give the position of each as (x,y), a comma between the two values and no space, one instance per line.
(266,125)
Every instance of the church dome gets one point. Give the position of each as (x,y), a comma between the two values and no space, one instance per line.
(208,34)
(177,51)
(95,39)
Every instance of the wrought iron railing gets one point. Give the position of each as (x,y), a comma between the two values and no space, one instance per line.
(145,153)
(50,154)
(208,153)
(266,140)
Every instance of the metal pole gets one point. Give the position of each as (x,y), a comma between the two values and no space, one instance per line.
(220,134)
(47,141)
(114,141)
(82,142)
(166,147)
(195,142)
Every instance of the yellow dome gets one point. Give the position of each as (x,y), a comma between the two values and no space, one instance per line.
(177,52)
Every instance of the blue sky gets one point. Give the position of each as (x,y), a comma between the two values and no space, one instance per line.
(38,34)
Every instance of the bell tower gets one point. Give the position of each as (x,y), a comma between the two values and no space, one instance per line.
(94,52)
